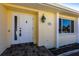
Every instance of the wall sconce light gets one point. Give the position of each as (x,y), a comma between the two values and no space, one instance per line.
(43,18)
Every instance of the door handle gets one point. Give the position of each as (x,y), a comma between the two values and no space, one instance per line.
(20,33)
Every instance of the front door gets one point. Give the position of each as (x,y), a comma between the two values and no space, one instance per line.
(22,28)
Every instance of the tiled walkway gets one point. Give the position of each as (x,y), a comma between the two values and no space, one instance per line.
(66,48)
(28,49)
(74,54)
(70,53)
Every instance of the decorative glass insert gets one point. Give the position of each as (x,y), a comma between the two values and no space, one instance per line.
(66,26)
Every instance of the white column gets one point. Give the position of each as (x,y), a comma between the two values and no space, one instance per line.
(78,30)
(57,30)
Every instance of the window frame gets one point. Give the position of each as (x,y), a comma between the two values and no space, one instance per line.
(61,26)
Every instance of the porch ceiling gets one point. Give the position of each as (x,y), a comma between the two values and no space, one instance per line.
(50,7)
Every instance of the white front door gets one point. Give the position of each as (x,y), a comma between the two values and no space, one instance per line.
(22,28)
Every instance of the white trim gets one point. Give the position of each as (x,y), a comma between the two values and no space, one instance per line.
(57,6)
(62,7)
(57,30)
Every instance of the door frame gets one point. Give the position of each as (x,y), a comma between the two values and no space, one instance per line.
(14,33)
(35,22)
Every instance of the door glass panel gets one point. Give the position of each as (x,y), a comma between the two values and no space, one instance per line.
(15,27)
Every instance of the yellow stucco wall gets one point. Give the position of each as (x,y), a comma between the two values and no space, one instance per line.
(68,16)
(37,15)
(41,31)
(3,30)
(35,33)
(47,33)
